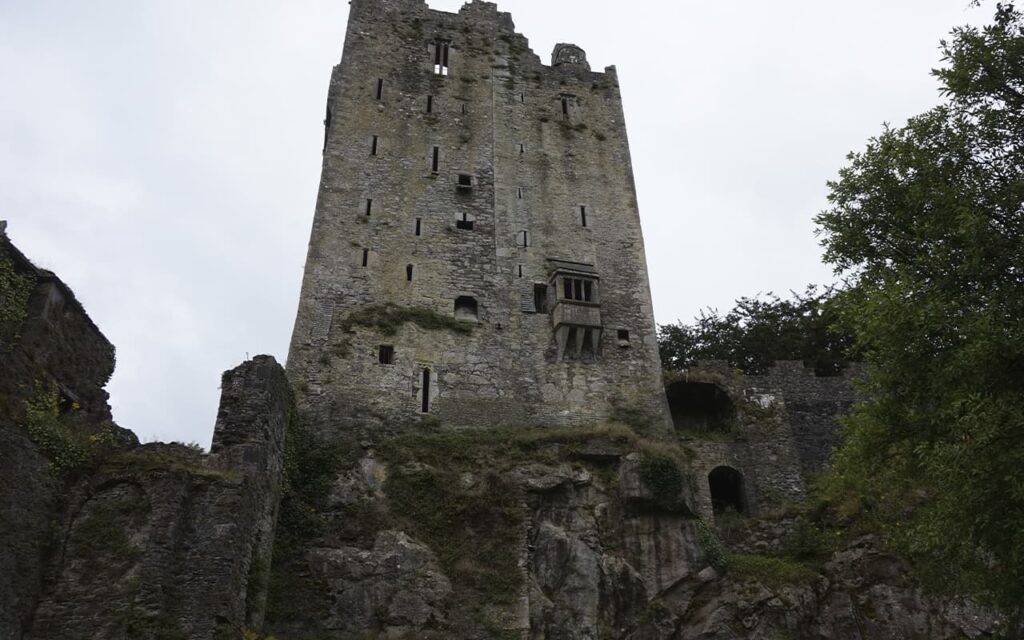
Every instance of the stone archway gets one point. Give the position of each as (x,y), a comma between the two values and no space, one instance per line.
(726,485)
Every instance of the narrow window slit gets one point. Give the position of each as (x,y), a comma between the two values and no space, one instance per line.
(419,225)
(369,206)
(430,104)
(583,215)
(425,403)
(408,273)
(380,88)
(373,146)
(366,257)
(435,160)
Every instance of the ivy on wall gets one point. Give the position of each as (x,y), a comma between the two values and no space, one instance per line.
(15,289)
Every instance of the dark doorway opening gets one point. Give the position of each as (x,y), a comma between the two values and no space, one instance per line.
(726,486)
(700,406)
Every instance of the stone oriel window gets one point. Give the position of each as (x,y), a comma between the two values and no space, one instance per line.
(577,289)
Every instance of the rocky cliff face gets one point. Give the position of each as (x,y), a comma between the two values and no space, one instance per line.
(572,535)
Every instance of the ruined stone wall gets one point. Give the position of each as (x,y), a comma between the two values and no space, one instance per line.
(164,542)
(785,427)
(53,342)
(537,143)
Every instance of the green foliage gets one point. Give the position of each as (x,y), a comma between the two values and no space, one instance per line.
(661,474)
(712,550)
(15,290)
(474,531)
(771,571)
(68,449)
(760,331)
(310,466)
(388,318)
(928,223)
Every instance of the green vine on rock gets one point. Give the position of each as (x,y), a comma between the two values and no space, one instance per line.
(15,290)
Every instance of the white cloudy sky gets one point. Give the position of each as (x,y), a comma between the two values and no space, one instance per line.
(163,156)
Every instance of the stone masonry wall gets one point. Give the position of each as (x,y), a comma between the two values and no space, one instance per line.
(55,344)
(786,425)
(537,144)
(165,542)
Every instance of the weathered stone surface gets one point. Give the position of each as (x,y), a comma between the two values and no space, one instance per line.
(55,346)
(165,542)
(396,587)
(550,196)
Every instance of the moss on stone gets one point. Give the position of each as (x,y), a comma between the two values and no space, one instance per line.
(15,291)
(388,318)
(771,571)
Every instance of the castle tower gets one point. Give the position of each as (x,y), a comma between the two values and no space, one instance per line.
(476,253)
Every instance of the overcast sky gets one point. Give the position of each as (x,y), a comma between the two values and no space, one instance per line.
(163,157)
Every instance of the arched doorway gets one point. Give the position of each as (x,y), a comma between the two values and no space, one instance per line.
(726,486)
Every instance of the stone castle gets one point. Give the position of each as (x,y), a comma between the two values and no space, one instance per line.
(473,438)
(465,180)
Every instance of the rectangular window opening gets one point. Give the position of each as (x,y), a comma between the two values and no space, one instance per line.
(464,223)
(408,273)
(465,181)
(623,335)
(588,291)
(430,104)
(435,160)
(540,298)
(386,354)
(419,225)
(441,58)
(373,146)
(380,88)
(565,107)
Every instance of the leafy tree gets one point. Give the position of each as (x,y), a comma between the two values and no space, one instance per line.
(759,331)
(928,224)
